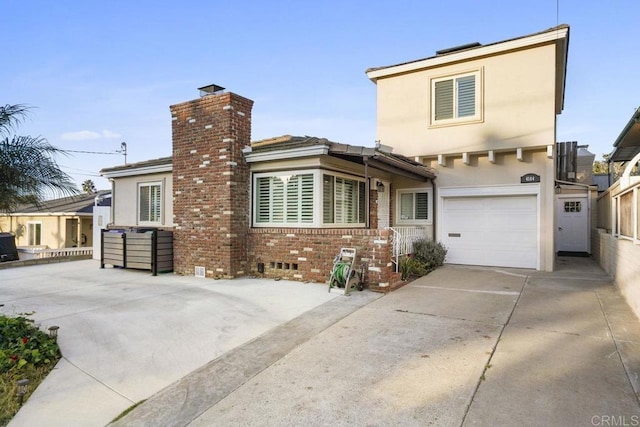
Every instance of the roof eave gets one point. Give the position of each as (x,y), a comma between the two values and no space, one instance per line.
(554,34)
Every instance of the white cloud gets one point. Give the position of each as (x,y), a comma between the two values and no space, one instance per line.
(110,135)
(84,135)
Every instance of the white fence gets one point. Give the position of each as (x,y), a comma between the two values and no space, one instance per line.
(39,253)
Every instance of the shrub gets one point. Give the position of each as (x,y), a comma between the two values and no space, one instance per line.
(411,267)
(429,254)
(25,352)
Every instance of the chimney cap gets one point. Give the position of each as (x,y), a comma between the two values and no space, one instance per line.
(210,89)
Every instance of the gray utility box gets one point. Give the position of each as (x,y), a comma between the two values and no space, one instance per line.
(142,249)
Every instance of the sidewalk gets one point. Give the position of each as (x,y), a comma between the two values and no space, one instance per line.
(462,346)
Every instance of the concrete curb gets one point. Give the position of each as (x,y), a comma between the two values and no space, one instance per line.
(188,398)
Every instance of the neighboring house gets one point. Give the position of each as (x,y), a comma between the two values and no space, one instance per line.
(616,240)
(55,224)
(484,118)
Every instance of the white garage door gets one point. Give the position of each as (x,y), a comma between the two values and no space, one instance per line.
(493,231)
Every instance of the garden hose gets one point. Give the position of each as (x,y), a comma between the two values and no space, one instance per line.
(341,270)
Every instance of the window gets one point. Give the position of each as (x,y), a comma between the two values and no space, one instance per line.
(286,199)
(414,206)
(34,233)
(150,203)
(572,206)
(343,200)
(455,99)
(308,199)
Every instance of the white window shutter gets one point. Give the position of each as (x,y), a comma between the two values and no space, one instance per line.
(422,206)
(444,100)
(466,87)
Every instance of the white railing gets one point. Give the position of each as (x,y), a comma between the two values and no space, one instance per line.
(402,239)
(39,253)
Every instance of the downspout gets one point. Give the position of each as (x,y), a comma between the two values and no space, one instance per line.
(435,209)
(367,189)
(113,204)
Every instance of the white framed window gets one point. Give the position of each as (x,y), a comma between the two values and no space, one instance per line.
(150,203)
(34,233)
(308,198)
(284,199)
(414,206)
(343,200)
(456,99)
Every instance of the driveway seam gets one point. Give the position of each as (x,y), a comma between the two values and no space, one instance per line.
(615,343)
(493,351)
(97,380)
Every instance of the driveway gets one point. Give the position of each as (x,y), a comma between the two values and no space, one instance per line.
(462,346)
(125,334)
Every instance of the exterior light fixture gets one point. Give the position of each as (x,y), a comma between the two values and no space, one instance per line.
(23,386)
(53,332)
(380,187)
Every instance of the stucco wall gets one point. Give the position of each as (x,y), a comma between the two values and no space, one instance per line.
(619,258)
(507,170)
(518,106)
(125,199)
(53,229)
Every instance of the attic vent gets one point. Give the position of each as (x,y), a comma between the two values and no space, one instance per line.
(200,272)
(457,48)
(210,90)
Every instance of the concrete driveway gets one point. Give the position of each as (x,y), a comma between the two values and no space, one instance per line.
(462,346)
(125,334)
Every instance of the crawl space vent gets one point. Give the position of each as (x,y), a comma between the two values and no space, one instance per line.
(200,272)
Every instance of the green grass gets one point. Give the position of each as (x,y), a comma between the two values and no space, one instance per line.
(25,352)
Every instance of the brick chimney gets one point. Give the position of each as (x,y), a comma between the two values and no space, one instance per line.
(211,184)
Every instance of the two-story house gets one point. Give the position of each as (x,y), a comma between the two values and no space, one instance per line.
(465,156)
(484,117)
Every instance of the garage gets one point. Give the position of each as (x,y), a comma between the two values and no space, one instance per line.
(499,231)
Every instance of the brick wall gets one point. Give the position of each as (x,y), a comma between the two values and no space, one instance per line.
(210,184)
(307,254)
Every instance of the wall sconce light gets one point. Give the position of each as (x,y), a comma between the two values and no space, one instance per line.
(53,332)
(380,187)
(23,386)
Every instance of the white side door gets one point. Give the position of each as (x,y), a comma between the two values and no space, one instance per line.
(572,224)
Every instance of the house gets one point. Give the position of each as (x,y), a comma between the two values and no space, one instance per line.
(465,155)
(616,239)
(484,118)
(281,207)
(54,224)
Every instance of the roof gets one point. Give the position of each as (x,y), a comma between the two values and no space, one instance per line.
(73,205)
(380,157)
(162,164)
(558,35)
(627,145)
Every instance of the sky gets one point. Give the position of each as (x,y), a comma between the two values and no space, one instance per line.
(99,73)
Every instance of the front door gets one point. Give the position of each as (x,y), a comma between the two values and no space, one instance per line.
(572,225)
(71,235)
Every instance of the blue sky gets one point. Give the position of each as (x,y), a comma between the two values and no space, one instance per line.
(99,73)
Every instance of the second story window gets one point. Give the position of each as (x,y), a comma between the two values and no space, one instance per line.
(456,99)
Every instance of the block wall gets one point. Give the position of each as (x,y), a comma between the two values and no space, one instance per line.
(621,259)
(211,184)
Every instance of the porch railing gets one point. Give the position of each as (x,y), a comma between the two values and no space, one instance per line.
(402,239)
(39,253)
